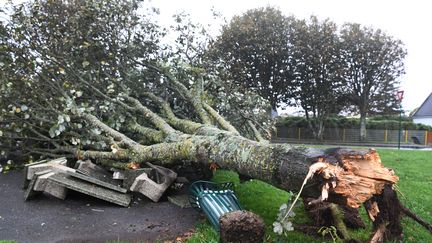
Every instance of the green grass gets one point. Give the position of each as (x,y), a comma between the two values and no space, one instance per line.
(414,169)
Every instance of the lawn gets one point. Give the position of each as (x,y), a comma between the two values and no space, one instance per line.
(414,169)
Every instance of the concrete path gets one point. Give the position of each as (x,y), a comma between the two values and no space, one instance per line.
(81,218)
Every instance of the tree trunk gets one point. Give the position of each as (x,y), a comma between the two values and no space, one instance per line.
(347,177)
(362,126)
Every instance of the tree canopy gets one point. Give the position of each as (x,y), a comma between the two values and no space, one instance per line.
(372,64)
(313,64)
(316,69)
(253,51)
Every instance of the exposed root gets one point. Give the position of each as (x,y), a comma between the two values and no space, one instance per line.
(387,223)
(378,235)
(352,217)
(372,209)
(330,214)
(416,218)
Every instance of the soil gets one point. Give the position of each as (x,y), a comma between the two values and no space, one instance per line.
(81,218)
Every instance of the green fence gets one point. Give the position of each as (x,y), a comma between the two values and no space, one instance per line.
(419,137)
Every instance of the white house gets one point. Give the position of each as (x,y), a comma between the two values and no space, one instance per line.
(423,114)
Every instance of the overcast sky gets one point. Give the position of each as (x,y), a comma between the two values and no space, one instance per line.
(408,21)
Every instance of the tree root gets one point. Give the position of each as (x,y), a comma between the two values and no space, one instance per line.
(386,223)
(330,214)
(416,218)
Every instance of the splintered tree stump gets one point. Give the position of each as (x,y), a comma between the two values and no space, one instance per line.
(241,226)
(351,178)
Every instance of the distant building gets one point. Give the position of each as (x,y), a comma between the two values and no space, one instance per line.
(423,114)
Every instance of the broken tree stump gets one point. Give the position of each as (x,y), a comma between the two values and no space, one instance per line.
(241,226)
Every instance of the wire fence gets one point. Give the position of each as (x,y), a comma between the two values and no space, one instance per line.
(342,135)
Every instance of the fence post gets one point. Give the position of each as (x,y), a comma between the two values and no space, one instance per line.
(299,133)
(385,136)
(343,135)
(426,138)
(406,136)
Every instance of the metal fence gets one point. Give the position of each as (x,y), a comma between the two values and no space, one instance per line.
(353,135)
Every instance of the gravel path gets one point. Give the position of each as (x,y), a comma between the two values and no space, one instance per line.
(81,218)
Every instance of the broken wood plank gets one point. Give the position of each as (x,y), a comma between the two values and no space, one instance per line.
(93,170)
(30,192)
(26,180)
(96,181)
(36,167)
(91,189)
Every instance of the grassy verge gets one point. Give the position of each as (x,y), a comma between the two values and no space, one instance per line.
(415,190)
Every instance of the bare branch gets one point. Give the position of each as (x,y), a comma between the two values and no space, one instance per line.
(183,90)
(153,117)
(151,135)
(220,120)
(257,134)
(184,125)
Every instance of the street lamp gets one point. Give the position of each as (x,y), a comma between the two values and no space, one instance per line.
(399,97)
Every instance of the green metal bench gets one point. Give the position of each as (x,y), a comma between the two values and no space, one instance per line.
(213,199)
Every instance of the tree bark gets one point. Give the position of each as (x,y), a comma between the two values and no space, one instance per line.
(362,126)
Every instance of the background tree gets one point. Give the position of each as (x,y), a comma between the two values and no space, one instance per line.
(316,66)
(373,63)
(254,50)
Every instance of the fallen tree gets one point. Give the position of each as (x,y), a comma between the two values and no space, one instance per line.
(346,177)
(98,93)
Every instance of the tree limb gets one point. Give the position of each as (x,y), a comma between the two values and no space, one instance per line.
(151,135)
(153,117)
(195,101)
(256,133)
(220,120)
(94,121)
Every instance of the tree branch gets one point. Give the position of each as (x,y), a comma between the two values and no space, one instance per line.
(151,135)
(195,101)
(257,134)
(153,117)
(94,121)
(220,120)
(187,126)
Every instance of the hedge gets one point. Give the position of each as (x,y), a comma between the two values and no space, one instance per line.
(379,122)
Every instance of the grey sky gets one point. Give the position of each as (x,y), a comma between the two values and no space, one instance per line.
(408,21)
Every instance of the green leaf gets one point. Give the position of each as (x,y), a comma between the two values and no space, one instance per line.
(85,63)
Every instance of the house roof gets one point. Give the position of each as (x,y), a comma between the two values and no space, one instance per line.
(425,110)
